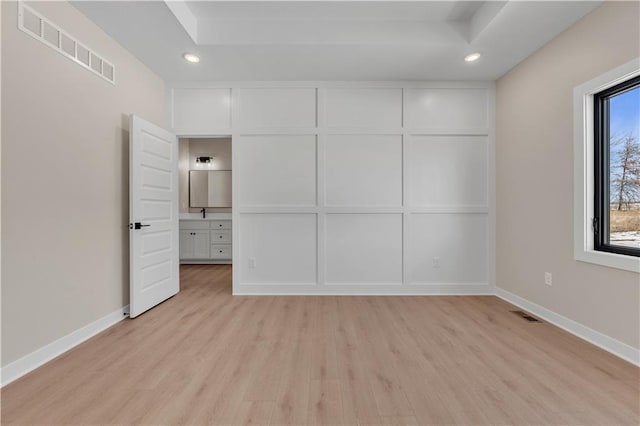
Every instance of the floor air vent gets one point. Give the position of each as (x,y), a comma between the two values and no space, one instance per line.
(526,316)
(40,28)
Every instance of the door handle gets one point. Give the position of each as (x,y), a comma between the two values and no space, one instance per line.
(137,225)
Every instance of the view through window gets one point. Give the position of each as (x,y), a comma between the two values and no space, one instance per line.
(617,227)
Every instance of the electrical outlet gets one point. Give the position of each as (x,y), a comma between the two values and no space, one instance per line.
(252,262)
(436,263)
(548,278)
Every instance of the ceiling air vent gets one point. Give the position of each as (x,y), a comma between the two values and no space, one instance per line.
(526,316)
(40,28)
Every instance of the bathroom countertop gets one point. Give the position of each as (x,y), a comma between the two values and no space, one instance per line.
(210,216)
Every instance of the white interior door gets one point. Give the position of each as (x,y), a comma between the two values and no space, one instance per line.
(153,216)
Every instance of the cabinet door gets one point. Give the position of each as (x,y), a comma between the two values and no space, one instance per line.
(201,243)
(186,244)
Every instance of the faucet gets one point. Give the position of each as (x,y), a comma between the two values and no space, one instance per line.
(203,211)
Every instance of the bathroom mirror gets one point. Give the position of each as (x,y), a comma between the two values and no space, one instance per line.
(210,188)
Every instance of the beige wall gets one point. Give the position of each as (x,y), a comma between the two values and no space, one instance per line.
(65,180)
(219,148)
(535,176)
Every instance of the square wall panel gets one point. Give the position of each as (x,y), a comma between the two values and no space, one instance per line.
(448,248)
(277,107)
(364,108)
(276,170)
(277,249)
(364,170)
(446,109)
(448,170)
(201,111)
(364,248)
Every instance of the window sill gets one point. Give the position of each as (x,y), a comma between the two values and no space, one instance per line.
(612,260)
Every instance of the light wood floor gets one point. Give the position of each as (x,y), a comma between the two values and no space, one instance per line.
(205,357)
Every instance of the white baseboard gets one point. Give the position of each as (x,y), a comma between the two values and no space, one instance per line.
(417,289)
(609,344)
(35,359)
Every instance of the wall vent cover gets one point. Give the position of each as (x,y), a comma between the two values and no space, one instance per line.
(40,28)
(526,316)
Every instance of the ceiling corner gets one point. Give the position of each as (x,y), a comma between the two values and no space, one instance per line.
(185,17)
(483,17)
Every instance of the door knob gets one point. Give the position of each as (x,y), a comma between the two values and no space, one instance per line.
(137,225)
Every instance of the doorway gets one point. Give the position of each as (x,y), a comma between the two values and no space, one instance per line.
(205,202)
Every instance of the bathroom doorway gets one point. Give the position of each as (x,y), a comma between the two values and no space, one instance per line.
(205,202)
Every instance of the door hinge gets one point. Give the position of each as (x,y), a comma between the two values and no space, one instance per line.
(595,225)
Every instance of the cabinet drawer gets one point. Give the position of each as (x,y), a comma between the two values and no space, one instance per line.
(220,224)
(194,224)
(221,251)
(220,237)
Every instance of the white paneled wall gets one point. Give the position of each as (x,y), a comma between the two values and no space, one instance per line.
(290,108)
(280,247)
(447,110)
(363,108)
(201,111)
(353,188)
(448,248)
(364,248)
(276,170)
(448,171)
(363,170)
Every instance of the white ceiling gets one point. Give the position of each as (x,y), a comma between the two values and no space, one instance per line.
(333,40)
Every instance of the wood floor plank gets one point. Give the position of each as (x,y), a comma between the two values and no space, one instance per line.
(218,392)
(266,378)
(489,384)
(254,413)
(325,403)
(465,371)
(377,360)
(543,353)
(292,400)
(323,361)
(359,406)
(400,421)
(206,357)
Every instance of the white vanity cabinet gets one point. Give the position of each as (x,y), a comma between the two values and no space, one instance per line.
(194,244)
(205,240)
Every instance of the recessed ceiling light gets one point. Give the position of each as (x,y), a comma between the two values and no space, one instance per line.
(191,57)
(472,57)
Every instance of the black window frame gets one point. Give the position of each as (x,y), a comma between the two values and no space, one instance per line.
(602,170)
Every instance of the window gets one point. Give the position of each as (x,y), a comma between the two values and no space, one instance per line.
(616,220)
(604,111)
